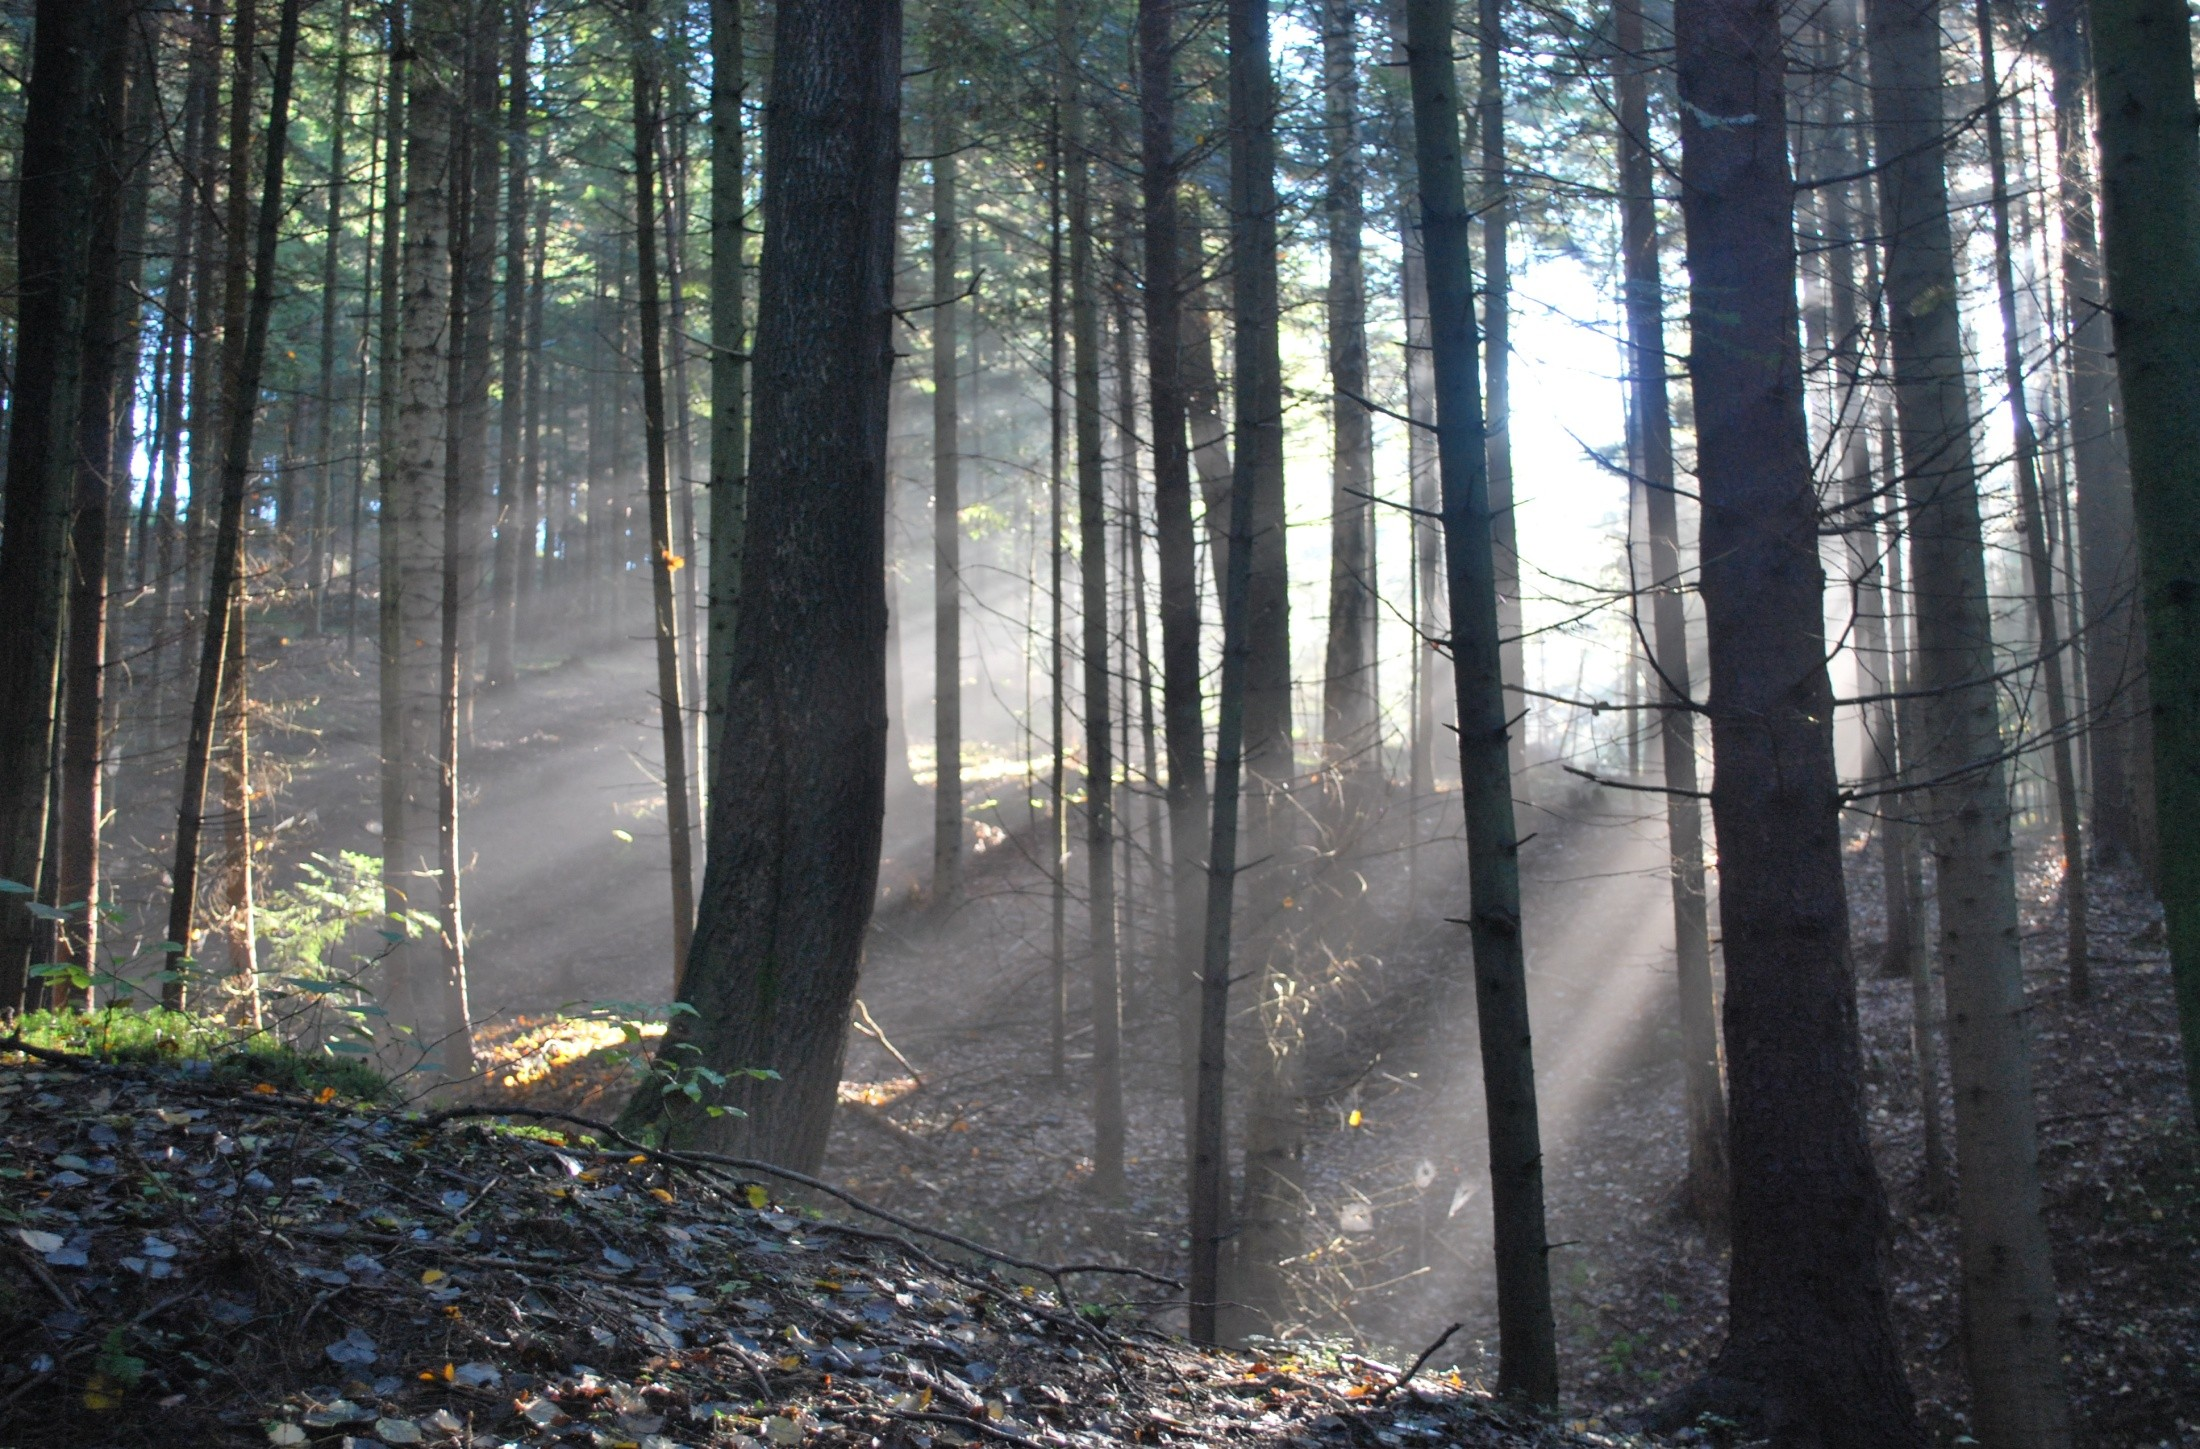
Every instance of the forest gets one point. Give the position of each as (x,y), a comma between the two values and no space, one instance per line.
(1352,722)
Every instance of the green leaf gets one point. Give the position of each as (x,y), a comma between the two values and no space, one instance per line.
(15,888)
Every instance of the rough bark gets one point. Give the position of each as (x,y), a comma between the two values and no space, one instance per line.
(793,851)
(1811,1353)
(1706,1190)
(108,379)
(413,493)
(1527,1364)
(53,234)
(2009,1309)
(2150,211)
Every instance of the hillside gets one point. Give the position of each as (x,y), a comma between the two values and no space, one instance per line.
(190,1262)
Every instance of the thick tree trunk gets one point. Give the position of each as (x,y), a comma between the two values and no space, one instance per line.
(672,722)
(2009,1308)
(1707,1189)
(793,860)
(413,492)
(2032,525)
(947,795)
(1527,1366)
(1811,1352)
(108,377)
(53,236)
(241,394)
(1348,686)
(2150,211)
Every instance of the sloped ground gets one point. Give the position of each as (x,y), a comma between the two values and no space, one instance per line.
(186,1264)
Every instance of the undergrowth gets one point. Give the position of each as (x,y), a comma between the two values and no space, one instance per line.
(230,1055)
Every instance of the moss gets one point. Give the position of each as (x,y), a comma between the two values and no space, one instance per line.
(230,1055)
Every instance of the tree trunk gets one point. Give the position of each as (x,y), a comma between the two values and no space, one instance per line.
(413,490)
(1429,664)
(53,236)
(1057,678)
(108,377)
(1496,213)
(2009,1308)
(2115,656)
(534,512)
(671,721)
(324,409)
(1183,725)
(1274,1189)
(947,797)
(1348,686)
(475,170)
(239,918)
(792,864)
(728,420)
(511,510)
(2032,524)
(1811,1348)
(1527,1365)
(397,488)
(241,395)
(1707,1189)
(2150,210)
(1103,968)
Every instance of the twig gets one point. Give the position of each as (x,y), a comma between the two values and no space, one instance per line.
(689,1158)
(1596,779)
(960,1422)
(870,1028)
(1426,1354)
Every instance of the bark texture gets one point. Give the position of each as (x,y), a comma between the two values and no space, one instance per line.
(2150,211)
(2009,1308)
(1527,1362)
(792,864)
(1811,1353)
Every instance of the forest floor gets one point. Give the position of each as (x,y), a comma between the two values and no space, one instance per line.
(190,1263)
(565,902)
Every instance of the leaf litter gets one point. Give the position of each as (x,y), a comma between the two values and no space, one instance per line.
(251,1268)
